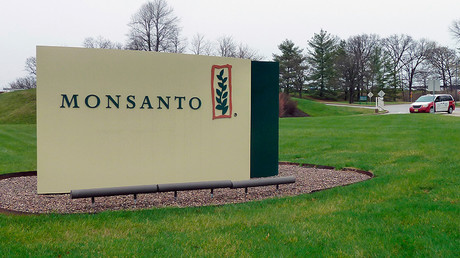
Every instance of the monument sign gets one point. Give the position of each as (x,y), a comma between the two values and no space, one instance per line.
(109,118)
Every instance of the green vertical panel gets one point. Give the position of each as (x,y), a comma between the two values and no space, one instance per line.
(264,118)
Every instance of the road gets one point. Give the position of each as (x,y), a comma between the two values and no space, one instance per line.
(396,109)
(392,109)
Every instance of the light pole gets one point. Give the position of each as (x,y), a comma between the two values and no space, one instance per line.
(456,79)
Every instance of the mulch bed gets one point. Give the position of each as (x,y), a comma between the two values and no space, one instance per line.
(18,192)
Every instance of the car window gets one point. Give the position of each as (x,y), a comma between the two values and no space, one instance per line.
(425,98)
(446,98)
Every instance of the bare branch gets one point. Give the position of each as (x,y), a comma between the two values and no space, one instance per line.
(244,51)
(31,66)
(200,46)
(23,83)
(227,46)
(455,30)
(101,42)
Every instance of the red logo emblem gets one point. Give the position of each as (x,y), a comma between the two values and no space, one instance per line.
(221,88)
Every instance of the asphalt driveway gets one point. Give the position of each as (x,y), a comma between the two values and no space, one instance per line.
(396,109)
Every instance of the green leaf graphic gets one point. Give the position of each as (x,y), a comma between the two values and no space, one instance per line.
(222,94)
(219,76)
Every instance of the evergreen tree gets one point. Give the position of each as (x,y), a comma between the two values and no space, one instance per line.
(321,57)
(292,67)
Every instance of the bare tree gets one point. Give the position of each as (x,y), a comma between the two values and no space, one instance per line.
(154,28)
(226,46)
(23,83)
(200,46)
(443,60)
(455,30)
(31,66)
(425,72)
(376,74)
(360,49)
(134,43)
(416,54)
(101,42)
(177,44)
(27,82)
(244,51)
(348,70)
(396,47)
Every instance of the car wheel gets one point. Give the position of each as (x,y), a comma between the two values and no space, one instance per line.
(432,110)
(450,110)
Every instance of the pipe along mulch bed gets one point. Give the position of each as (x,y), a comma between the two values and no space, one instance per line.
(18,192)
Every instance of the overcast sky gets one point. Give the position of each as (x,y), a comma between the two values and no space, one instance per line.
(262,24)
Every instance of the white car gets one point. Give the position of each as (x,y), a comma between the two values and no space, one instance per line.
(433,103)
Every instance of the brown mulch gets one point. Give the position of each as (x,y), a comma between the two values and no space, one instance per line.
(18,195)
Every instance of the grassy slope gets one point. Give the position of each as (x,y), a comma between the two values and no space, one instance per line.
(18,107)
(410,209)
(316,109)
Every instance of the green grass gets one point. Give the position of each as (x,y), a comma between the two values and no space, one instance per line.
(18,107)
(316,109)
(18,148)
(411,207)
(18,131)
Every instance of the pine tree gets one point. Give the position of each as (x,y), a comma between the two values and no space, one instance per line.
(292,67)
(321,57)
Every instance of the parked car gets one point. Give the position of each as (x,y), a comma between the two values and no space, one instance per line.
(433,103)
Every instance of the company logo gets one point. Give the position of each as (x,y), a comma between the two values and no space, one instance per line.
(129,102)
(221,88)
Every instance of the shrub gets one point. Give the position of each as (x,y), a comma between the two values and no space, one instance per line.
(288,107)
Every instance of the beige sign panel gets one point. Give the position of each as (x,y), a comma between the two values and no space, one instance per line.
(108,118)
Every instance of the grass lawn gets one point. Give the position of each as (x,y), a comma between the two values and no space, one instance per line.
(18,131)
(18,148)
(316,109)
(411,207)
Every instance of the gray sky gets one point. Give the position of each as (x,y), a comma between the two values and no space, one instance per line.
(262,24)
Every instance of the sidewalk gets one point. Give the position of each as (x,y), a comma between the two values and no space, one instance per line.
(455,113)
